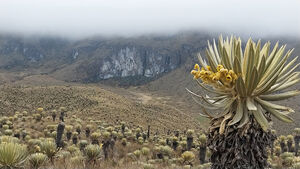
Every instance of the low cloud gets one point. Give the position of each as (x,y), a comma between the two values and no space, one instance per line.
(84,18)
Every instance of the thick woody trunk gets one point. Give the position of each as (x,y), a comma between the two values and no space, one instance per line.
(202,154)
(297,140)
(243,148)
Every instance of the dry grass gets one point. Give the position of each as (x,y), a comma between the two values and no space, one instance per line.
(87,101)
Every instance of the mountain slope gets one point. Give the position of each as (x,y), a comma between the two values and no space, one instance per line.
(94,59)
(91,101)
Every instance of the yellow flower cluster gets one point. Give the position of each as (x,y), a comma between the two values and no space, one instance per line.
(40,109)
(37,148)
(225,76)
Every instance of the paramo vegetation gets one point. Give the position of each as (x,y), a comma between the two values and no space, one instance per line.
(42,140)
(57,139)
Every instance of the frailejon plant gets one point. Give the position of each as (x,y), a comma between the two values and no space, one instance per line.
(48,147)
(188,157)
(92,153)
(36,160)
(202,148)
(60,131)
(243,84)
(297,140)
(12,155)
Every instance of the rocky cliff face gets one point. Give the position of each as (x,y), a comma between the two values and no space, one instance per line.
(17,52)
(132,61)
(97,59)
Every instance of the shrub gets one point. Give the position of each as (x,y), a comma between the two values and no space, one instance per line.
(190,132)
(36,160)
(288,162)
(69,128)
(187,167)
(94,137)
(202,139)
(73,149)
(145,151)
(92,152)
(48,147)
(296,166)
(148,166)
(188,156)
(166,150)
(64,154)
(124,141)
(83,144)
(286,154)
(140,140)
(8,132)
(12,155)
(106,135)
(9,139)
(137,153)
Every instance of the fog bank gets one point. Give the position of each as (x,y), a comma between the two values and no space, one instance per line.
(85,18)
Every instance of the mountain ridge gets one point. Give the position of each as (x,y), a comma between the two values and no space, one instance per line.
(139,59)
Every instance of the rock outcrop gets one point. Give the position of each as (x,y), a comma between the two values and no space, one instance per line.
(97,59)
(132,61)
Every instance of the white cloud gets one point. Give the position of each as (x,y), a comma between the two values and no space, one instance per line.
(81,18)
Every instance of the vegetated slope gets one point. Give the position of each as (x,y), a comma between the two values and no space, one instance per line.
(87,101)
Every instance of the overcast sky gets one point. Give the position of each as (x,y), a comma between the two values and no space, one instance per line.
(83,18)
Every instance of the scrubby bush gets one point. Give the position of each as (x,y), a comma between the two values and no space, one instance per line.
(145,151)
(188,157)
(12,155)
(9,139)
(48,147)
(92,152)
(37,160)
